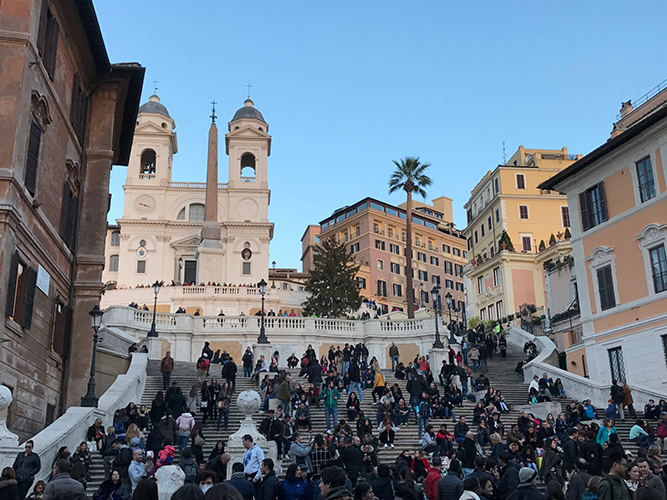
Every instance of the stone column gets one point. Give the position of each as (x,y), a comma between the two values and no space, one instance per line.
(91,235)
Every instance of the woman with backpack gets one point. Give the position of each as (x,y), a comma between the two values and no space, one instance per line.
(189,466)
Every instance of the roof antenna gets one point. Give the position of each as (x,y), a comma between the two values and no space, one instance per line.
(213,117)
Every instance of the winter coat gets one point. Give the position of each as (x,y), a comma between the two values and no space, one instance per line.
(337,493)
(509,480)
(450,487)
(63,486)
(577,485)
(431,483)
(298,490)
(242,485)
(167,364)
(27,466)
(110,491)
(190,467)
(9,489)
(526,492)
(167,426)
(613,488)
(382,488)
(185,423)
(269,488)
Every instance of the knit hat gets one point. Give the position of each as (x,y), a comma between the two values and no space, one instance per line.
(526,475)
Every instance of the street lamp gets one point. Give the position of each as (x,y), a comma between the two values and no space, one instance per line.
(273,285)
(435,294)
(448,298)
(262,333)
(90,400)
(156,290)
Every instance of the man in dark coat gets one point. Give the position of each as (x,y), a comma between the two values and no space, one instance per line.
(526,489)
(352,457)
(386,488)
(570,447)
(450,486)
(270,485)
(509,475)
(242,485)
(26,465)
(415,386)
(468,452)
(579,480)
(591,451)
(62,485)
(229,373)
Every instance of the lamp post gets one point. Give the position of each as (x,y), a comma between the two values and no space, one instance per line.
(90,400)
(448,298)
(435,294)
(273,284)
(156,290)
(262,333)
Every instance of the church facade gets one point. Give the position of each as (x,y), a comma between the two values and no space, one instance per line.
(209,234)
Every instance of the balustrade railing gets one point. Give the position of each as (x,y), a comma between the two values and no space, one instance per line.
(160,318)
(402,326)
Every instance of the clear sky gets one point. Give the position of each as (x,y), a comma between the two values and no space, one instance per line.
(349,86)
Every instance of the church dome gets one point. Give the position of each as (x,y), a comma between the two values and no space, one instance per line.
(248,111)
(153,106)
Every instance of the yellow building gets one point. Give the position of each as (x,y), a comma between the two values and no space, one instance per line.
(618,206)
(503,276)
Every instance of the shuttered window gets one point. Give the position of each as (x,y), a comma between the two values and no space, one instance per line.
(69,216)
(79,110)
(32,161)
(593,206)
(47,39)
(606,288)
(58,329)
(21,292)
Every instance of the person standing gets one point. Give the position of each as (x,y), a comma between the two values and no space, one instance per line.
(285,394)
(247,363)
(355,379)
(166,367)
(26,465)
(612,486)
(432,479)
(502,345)
(229,373)
(203,365)
(62,485)
(618,395)
(252,458)
(330,395)
(347,354)
(393,354)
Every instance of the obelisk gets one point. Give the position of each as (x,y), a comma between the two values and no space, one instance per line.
(210,251)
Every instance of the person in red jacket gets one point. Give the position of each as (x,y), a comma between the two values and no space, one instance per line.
(431,481)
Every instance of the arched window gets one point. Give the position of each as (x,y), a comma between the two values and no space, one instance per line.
(115,239)
(247,167)
(113,264)
(197,212)
(147,164)
(181,214)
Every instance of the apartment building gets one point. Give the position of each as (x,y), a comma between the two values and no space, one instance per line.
(504,275)
(375,233)
(618,206)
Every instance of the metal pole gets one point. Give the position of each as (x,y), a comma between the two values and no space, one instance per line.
(153,332)
(262,332)
(438,343)
(89,400)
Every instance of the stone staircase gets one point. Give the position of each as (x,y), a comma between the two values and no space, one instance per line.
(500,373)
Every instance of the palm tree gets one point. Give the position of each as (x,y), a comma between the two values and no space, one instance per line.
(410,177)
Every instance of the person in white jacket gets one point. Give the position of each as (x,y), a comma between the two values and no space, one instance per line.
(471,489)
(534,384)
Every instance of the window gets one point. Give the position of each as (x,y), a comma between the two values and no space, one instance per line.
(361,282)
(446,249)
(423,276)
(394,249)
(58,341)
(497,215)
(246,269)
(482,229)
(421,256)
(190,271)
(458,270)
(424,297)
(469,241)
(606,288)
(390,232)
(492,312)
(417,241)
(496,276)
(523,211)
(181,214)
(659,268)
(616,364)
(526,244)
(113,264)
(469,215)
(354,248)
(397,290)
(496,185)
(476,237)
(448,267)
(645,179)
(465,254)
(488,222)
(459,286)
(382,288)
(482,314)
(47,39)
(115,239)
(379,244)
(32,160)
(356,231)
(435,279)
(499,309)
(449,284)
(78,113)
(593,206)
(343,237)
(21,291)
(69,216)
(435,261)
(380,265)
(197,212)
(141,267)
(456,251)
(395,268)
(520,181)
(565,216)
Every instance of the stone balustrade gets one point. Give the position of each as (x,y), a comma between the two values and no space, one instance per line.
(186,334)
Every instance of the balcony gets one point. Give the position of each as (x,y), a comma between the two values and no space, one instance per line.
(247,179)
(378,231)
(146,176)
(194,185)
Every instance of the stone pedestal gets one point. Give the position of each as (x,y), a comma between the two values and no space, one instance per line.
(209,261)
(265,350)
(249,402)
(169,479)
(9,442)
(436,357)
(154,346)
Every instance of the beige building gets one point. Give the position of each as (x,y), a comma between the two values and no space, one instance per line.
(503,277)
(67,115)
(375,233)
(618,202)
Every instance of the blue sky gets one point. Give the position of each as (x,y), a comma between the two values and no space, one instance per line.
(347,87)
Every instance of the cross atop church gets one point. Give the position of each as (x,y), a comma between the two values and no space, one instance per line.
(155,82)
(249,87)
(213,117)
